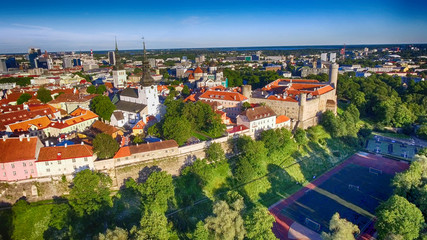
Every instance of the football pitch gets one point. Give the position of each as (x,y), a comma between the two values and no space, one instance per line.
(353,189)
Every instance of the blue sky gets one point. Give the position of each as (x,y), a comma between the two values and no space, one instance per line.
(85,25)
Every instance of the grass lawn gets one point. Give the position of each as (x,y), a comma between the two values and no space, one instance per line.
(199,136)
(392,135)
(32,222)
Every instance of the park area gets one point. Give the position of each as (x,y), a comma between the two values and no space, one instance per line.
(353,189)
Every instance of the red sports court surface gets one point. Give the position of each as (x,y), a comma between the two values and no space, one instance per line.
(291,228)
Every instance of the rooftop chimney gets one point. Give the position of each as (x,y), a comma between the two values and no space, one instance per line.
(65,145)
(82,143)
(47,143)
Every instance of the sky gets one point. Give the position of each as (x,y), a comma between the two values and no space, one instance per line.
(84,25)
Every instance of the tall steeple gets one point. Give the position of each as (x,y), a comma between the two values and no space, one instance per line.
(146,78)
(118,65)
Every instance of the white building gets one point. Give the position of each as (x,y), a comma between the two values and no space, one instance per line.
(64,160)
(257,119)
(119,78)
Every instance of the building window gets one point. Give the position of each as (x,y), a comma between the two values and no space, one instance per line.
(47,169)
(32,170)
(85,159)
(31,164)
(4,174)
(59,162)
(46,163)
(74,160)
(14,173)
(24,164)
(13,165)
(25,171)
(2,166)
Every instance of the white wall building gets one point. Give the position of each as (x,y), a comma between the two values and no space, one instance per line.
(257,119)
(64,160)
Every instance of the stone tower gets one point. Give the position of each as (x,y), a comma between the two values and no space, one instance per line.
(333,75)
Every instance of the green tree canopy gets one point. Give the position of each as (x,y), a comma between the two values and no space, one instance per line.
(101,89)
(102,106)
(116,234)
(259,224)
(215,153)
(300,137)
(185,91)
(177,128)
(105,146)
(340,229)
(23,98)
(91,89)
(90,192)
(153,226)
(400,217)
(227,222)
(44,95)
(158,191)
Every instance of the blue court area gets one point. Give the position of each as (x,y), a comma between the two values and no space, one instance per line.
(354,192)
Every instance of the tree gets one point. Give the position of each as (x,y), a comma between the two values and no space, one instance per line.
(101,89)
(157,191)
(177,128)
(300,137)
(44,95)
(402,116)
(185,90)
(116,234)
(215,153)
(330,122)
(102,106)
(23,98)
(400,217)
(201,233)
(153,226)
(259,223)
(91,89)
(105,146)
(246,105)
(138,138)
(227,222)
(90,192)
(422,131)
(341,229)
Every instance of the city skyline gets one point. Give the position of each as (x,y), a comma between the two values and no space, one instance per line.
(59,27)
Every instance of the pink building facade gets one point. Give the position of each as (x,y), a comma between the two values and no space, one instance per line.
(18,158)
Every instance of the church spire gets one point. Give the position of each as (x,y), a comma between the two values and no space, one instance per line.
(118,65)
(146,78)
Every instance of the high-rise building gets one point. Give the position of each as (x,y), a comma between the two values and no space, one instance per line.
(12,63)
(3,68)
(33,53)
(112,58)
(44,62)
(324,57)
(333,57)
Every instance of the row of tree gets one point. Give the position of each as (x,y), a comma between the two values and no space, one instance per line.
(257,78)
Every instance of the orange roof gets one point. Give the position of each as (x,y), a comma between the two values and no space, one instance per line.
(190,76)
(190,98)
(79,115)
(281,119)
(198,70)
(12,149)
(40,123)
(123,152)
(161,87)
(60,153)
(139,125)
(288,99)
(72,98)
(323,90)
(220,95)
(108,85)
(42,107)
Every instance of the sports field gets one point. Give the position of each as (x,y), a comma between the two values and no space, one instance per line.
(383,145)
(354,189)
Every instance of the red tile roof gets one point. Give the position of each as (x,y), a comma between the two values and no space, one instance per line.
(220,95)
(11,149)
(123,152)
(281,119)
(198,70)
(62,152)
(147,147)
(237,129)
